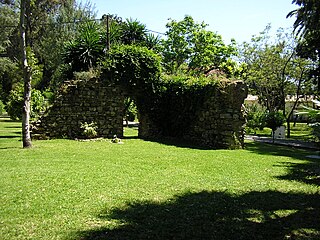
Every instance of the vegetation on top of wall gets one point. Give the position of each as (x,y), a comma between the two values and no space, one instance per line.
(83,52)
(136,68)
(177,101)
(170,101)
(188,81)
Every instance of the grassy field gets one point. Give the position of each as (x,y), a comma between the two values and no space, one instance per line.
(66,189)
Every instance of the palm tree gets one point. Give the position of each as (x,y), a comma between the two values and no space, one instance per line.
(84,52)
(307,16)
(133,32)
(307,27)
(152,42)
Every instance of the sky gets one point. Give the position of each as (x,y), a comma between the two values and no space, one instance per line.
(238,19)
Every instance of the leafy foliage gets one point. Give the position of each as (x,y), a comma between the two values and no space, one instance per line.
(314,114)
(307,16)
(255,118)
(274,120)
(129,32)
(89,129)
(307,26)
(316,130)
(46,31)
(115,28)
(131,111)
(15,101)
(10,74)
(7,18)
(36,68)
(133,32)
(56,34)
(2,108)
(189,43)
(273,70)
(136,68)
(153,42)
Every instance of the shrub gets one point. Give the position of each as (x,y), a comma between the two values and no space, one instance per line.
(136,68)
(89,129)
(61,74)
(255,118)
(15,103)
(274,120)
(2,110)
(131,110)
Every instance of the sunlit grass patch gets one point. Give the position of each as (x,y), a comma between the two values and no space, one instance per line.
(67,189)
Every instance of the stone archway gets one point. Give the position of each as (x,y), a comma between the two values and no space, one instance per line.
(206,113)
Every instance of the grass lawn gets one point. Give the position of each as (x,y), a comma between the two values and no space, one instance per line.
(65,189)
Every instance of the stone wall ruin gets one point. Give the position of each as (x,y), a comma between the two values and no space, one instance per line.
(77,102)
(218,123)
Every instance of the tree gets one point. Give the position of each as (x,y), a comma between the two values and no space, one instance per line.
(153,42)
(9,73)
(130,32)
(274,120)
(133,32)
(26,138)
(8,23)
(190,44)
(307,26)
(62,25)
(274,70)
(51,25)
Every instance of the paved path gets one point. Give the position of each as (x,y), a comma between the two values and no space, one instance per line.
(285,142)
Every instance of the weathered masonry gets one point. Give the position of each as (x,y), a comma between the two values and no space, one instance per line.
(83,101)
(217,122)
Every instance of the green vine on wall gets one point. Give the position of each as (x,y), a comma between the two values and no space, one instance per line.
(136,68)
(171,102)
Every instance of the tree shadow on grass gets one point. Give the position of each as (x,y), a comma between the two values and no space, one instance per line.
(306,171)
(216,215)
(10,136)
(6,119)
(178,142)
(277,150)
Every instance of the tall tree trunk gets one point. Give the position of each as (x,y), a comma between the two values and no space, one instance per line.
(295,103)
(26,138)
(288,127)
